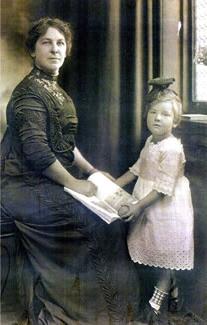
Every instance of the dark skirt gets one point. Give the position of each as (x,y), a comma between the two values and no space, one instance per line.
(73,267)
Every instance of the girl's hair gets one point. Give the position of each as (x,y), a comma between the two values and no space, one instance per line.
(161,93)
(41,26)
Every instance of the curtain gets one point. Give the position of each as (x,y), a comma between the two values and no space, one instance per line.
(111,62)
(118,45)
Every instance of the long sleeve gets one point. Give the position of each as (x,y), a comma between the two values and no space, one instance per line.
(31,125)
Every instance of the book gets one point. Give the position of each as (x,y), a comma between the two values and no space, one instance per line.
(108,199)
(195,117)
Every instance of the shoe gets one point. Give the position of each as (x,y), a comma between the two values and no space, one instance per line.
(157,319)
(149,316)
(175,301)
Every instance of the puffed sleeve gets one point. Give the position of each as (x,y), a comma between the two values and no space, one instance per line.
(31,124)
(171,166)
(135,169)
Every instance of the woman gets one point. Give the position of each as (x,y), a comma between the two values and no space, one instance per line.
(67,259)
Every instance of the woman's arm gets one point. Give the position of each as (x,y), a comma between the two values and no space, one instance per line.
(60,175)
(32,126)
(82,163)
(86,167)
(125,179)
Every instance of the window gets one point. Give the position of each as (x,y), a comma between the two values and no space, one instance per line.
(199,54)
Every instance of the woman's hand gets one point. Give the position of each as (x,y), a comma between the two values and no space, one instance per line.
(83,187)
(130,211)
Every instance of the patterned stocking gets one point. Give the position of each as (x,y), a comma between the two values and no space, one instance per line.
(157,299)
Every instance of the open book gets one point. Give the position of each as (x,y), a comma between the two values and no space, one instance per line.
(108,199)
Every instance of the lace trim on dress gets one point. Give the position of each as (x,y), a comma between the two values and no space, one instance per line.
(52,88)
(51,94)
(135,169)
(182,260)
(163,188)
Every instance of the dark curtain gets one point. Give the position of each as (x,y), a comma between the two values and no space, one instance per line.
(107,74)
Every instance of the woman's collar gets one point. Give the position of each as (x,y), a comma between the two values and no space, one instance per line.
(43,75)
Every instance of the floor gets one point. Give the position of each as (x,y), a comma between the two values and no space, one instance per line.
(11,310)
(11,314)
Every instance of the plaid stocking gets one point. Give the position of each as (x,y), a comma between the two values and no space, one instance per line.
(157,298)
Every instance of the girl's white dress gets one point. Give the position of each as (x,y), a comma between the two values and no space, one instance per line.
(163,235)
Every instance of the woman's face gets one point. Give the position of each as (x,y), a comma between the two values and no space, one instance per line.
(50,51)
(160,120)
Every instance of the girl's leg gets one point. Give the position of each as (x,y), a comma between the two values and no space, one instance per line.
(161,289)
(152,314)
(173,286)
(175,298)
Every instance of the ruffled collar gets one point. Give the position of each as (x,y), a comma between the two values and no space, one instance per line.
(151,142)
(43,75)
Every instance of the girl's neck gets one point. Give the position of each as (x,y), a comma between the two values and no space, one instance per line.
(156,138)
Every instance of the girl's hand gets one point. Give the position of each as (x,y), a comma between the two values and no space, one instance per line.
(83,187)
(130,211)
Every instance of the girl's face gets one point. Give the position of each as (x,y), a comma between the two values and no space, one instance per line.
(50,51)
(160,120)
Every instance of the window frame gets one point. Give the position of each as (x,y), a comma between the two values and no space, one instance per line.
(196,105)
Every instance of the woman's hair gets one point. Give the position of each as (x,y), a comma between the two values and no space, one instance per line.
(41,26)
(161,93)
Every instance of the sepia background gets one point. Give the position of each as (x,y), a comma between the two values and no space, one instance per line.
(117,46)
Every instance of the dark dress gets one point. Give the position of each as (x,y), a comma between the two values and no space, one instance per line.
(73,268)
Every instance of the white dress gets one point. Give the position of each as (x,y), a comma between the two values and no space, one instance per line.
(163,235)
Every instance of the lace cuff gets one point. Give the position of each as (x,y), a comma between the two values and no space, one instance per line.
(164,187)
(135,169)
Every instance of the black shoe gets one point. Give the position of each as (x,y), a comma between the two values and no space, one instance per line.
(158,319)
(175,302)
(149,316)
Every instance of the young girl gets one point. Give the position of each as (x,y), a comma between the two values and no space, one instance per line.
(161,228)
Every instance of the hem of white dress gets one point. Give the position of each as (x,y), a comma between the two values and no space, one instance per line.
(180,268)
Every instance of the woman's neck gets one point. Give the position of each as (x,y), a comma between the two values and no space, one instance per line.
(43,74)
(52,74)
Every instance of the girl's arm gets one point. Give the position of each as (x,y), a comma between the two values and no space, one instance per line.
(150,199)
(131,211)
(125,179)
